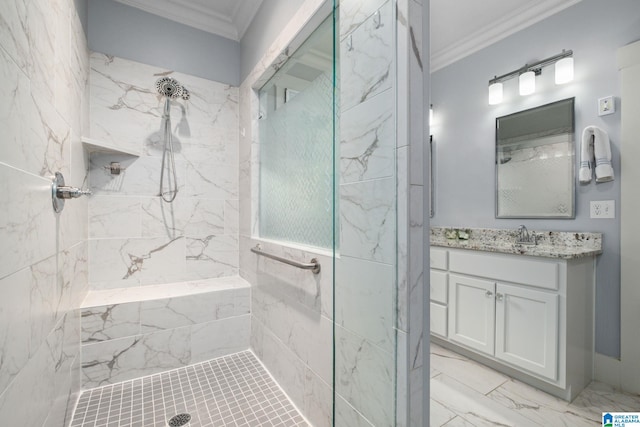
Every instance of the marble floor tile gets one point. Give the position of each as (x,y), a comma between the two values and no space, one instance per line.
(458,422)
(541,407)
(472,374)
(456,400)
(440,414)
(599,397)
(433,372)
(473,406)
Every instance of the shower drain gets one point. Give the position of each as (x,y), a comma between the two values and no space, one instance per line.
(179,420)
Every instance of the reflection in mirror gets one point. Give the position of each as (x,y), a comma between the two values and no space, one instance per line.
(535,162)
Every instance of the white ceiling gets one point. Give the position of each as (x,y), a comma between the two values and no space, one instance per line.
(458,27)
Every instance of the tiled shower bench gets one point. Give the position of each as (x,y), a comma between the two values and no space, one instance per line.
(133,332)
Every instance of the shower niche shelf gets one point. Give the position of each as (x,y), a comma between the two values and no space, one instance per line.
(94,145)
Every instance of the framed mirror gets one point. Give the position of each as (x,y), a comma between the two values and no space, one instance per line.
(535,162)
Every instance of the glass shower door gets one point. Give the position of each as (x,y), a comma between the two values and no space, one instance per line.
(292,308)
(328,187)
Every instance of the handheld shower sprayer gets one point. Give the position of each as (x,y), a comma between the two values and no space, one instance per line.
(170,89)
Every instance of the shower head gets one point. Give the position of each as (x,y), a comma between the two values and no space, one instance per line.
(169,87)
(185,93)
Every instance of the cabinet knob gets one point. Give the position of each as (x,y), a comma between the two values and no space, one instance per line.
(499,297)
(488,294)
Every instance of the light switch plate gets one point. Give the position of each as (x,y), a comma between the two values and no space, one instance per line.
(606,106)
(603,209)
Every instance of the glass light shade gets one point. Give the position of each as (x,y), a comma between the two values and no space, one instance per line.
(495,93)
(564,71)
(527,83)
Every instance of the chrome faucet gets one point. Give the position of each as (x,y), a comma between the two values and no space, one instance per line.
(524,238)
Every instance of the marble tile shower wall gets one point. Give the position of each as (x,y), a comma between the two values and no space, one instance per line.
(135,238)
(291,329)
(132,339)
(44,67)
(365,284)
(413,62)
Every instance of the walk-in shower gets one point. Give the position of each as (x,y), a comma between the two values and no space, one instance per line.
(170,88)
(111,297)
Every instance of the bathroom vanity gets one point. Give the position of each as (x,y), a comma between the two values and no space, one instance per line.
(525,310)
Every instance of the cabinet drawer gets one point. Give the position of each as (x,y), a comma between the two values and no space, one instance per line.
(438,316)
(538,272)
(438,282)
(438,258)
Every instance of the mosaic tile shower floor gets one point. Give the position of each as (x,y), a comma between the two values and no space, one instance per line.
(234,390)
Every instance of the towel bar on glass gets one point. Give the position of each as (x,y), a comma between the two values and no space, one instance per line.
(314,265)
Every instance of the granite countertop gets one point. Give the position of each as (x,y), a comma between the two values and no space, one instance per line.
(551,244)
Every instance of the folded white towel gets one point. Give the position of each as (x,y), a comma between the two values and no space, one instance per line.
(586,156)
(602,151)
(595,142)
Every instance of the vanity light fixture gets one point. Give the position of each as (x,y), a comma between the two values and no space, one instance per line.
(527,83)
(495,93)
(527,75)
(564,70)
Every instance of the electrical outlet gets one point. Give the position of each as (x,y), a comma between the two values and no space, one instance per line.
(603,209)
(606,106)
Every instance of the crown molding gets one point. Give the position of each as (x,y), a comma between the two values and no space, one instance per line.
(507,25)
(243,14)
(192,15)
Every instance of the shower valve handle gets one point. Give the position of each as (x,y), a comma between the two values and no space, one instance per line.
(60,192)
(71,192)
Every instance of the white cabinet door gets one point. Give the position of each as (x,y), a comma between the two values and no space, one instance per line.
(438,316)
(472,312)
(438,282)
(527,329)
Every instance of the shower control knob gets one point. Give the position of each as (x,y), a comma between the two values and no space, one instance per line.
(71,192)
(60,192)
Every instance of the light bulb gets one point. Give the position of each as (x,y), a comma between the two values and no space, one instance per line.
(564,71)
(527,83)
(495,93)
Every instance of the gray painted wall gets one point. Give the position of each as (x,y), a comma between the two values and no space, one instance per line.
(130,33)
(463,130)
(82,7)
(269,21)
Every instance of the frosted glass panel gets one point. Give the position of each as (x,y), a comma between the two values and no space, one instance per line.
(296,147)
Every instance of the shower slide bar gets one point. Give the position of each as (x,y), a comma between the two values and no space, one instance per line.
(314,265)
